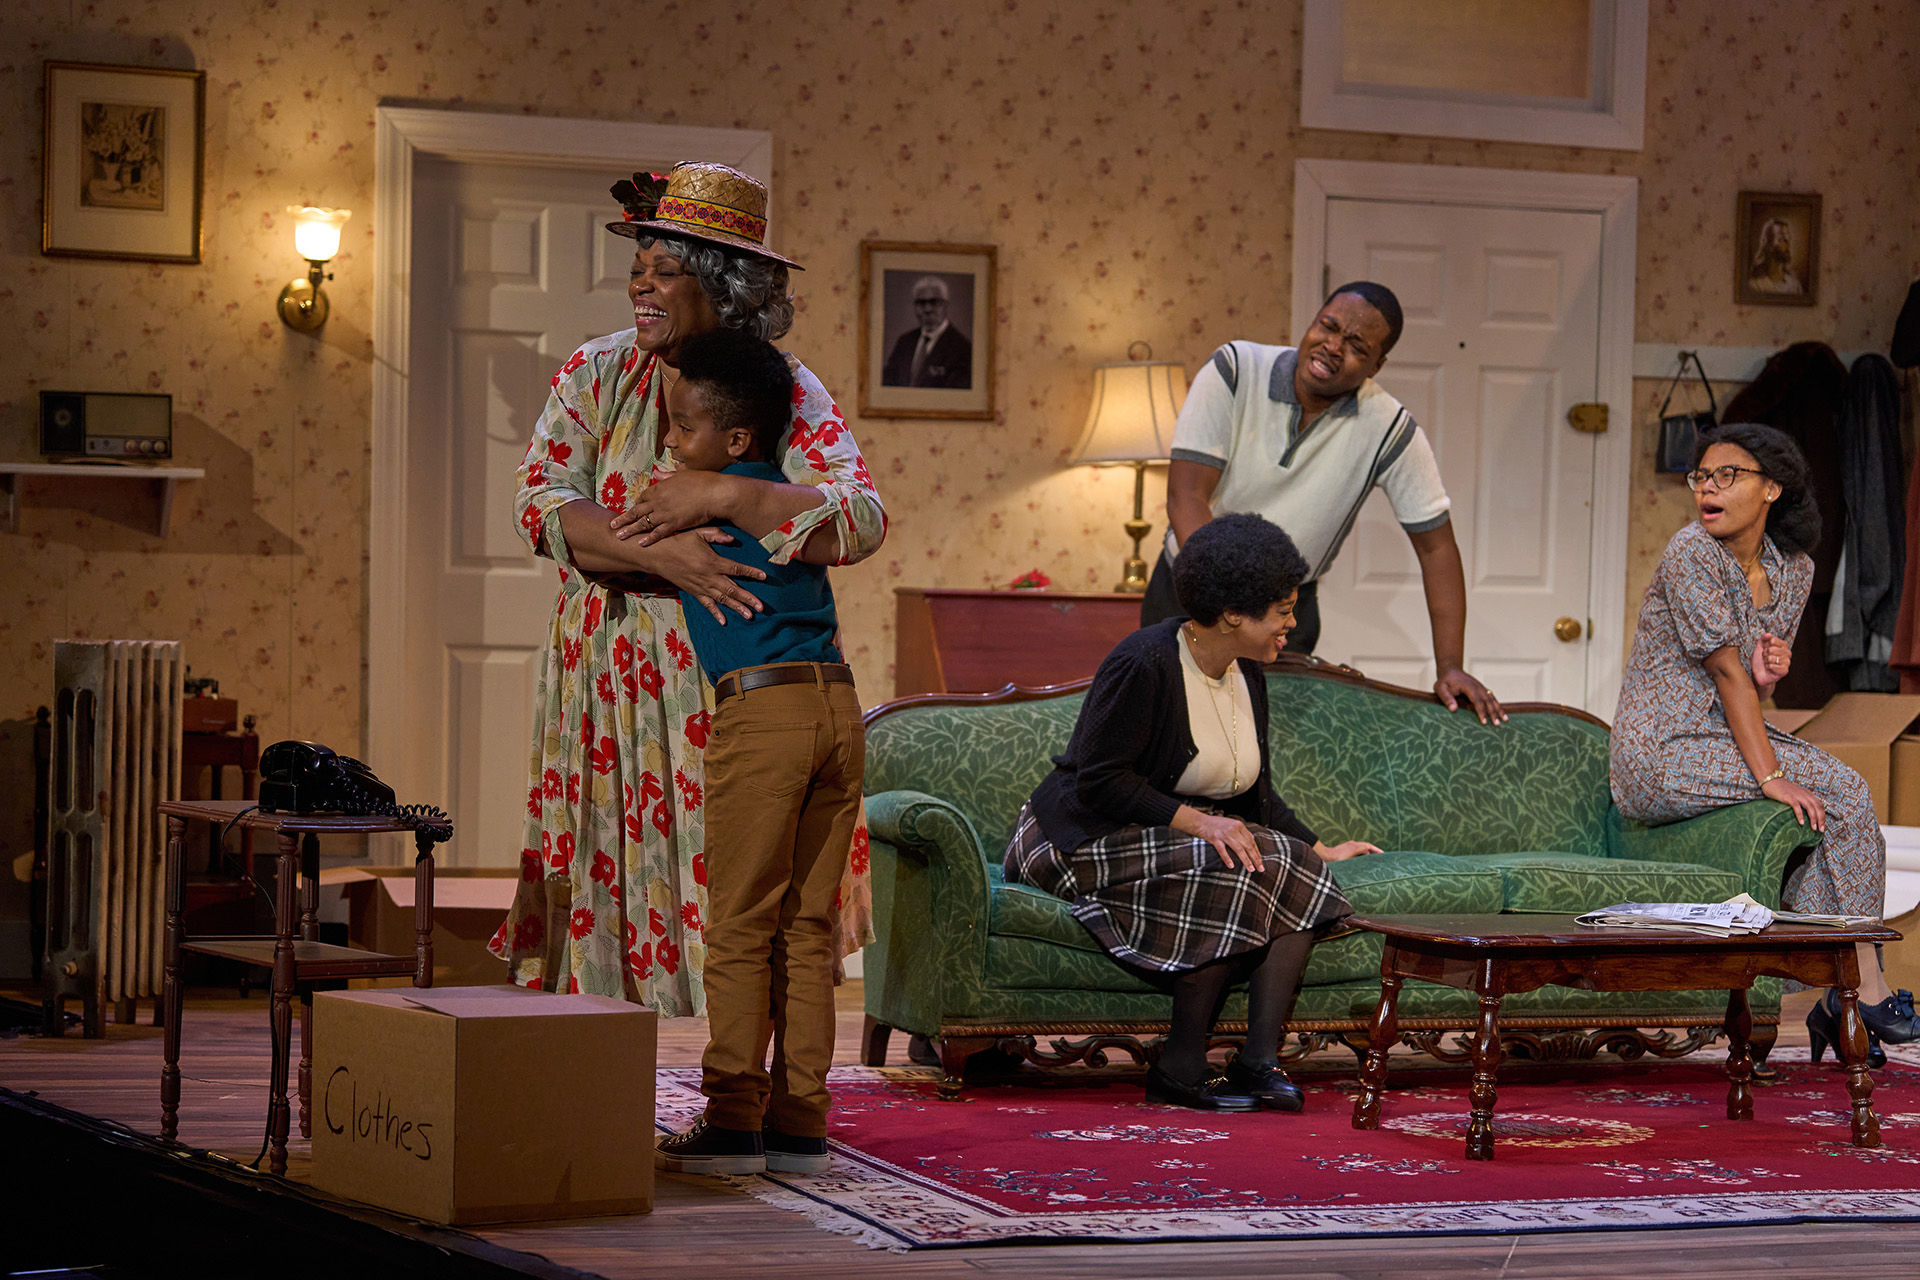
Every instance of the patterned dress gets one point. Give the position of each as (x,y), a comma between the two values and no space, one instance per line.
(612,897)
(1673,755)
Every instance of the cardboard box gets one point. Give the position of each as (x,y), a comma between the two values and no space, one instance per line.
(468,905)
(470,1104)
(1860,730)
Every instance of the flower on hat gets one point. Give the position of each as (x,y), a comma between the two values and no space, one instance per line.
(640,197)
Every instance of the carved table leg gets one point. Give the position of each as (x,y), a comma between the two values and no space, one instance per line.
(170,987)
(874,1035)
(1853,1051)
(1386,1020)
(1739,1026)
(278,1112)
(309,932)
(1486,1061)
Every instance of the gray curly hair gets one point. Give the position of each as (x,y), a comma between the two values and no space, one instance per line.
(747,292)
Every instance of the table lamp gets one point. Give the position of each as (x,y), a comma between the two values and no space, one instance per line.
(1131,423)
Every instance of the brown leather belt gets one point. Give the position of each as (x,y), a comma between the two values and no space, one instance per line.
(786,673)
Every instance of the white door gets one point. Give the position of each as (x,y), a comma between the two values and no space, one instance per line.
(512,271)
(1502,338)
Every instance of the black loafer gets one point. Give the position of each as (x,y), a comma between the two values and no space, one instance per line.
(1268,1085)
(1210,1093)
(709,1149)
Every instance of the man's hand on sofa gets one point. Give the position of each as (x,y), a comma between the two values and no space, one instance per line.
(1341,852)
(1455,685)
(1229,836)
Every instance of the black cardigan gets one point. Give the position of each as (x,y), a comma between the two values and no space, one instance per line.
(1132,743)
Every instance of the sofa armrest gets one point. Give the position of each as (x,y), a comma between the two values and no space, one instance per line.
(1752,840)
(930,903)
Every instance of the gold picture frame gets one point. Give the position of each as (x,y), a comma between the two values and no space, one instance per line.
(123,162)
(926,330)
(1776,253)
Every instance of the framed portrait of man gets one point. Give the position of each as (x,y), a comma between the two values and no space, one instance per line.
(122,166)
(926,330)
(1776,260)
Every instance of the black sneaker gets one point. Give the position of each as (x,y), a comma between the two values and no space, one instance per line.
(706,1148)
(789,1154)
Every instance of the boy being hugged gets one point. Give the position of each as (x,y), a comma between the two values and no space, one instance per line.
(784,762)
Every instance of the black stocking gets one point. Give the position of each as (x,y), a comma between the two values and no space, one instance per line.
(1197,996)
(1270,991)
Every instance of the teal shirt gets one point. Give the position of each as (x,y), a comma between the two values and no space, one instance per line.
(799,622)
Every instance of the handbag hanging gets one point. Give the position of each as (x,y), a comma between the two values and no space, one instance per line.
(1680,432)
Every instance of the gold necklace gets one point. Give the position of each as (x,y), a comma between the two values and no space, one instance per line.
(1226,682)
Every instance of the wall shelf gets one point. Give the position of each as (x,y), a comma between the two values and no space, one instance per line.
(163,480)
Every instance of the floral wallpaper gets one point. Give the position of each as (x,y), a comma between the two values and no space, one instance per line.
(1131,159)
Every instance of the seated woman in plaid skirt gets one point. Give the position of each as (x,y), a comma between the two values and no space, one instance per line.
(1160,823)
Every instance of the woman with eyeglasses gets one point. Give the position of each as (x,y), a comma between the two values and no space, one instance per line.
(1715,635)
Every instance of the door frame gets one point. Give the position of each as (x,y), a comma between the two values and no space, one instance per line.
(403,135)
(1617,201)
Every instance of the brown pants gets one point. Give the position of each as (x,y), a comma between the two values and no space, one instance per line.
(783,767)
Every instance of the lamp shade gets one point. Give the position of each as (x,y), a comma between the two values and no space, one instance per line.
(316,231)
(1134,407)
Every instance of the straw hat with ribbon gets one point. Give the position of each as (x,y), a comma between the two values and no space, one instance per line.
(701,201)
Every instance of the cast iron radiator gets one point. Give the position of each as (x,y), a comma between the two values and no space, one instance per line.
(116,753)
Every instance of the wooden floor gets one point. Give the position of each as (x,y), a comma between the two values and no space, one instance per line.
(705,1227)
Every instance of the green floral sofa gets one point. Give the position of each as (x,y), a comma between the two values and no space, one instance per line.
(1472,818)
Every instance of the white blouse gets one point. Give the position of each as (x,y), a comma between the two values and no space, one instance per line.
(1220,716)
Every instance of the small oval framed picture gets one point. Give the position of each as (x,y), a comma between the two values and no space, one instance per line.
(1776,256)
(926,330)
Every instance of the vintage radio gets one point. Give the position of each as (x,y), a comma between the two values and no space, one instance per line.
(95,424)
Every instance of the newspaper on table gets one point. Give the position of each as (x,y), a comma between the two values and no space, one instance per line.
(1717,919)
(1737,915)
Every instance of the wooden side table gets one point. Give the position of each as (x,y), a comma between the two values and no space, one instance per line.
(951,640)
(1501,955)
(294,960)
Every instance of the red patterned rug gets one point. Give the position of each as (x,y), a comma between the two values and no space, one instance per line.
(1589,1149)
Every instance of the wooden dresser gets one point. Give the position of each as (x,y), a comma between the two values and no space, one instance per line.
(952,640)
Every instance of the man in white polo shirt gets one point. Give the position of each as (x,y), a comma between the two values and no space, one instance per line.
(1302,436)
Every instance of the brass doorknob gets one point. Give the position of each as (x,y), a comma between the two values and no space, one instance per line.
(1568,629)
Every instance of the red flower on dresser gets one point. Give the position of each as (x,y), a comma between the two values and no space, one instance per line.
(582,923)
(603,870)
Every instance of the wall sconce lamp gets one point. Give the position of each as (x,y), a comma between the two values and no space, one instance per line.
(316,237)
(1131,423)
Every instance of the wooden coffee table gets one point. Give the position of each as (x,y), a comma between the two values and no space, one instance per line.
(1499,955)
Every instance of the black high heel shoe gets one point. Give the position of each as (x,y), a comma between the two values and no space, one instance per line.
(1823,1027)
(1893,1019)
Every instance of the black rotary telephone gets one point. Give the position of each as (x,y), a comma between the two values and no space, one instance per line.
(305,777)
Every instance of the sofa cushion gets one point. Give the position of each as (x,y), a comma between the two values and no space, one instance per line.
(1572,882)
(1412,883)
(1018,911)
(1030,964)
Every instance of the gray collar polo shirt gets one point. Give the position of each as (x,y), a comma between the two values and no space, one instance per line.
(1242,418)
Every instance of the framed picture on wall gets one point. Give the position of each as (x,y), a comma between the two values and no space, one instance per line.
(926,330)
(122,163)
(1776,256)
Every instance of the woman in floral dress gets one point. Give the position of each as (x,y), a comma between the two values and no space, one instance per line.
(1715,635)
(612,894)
